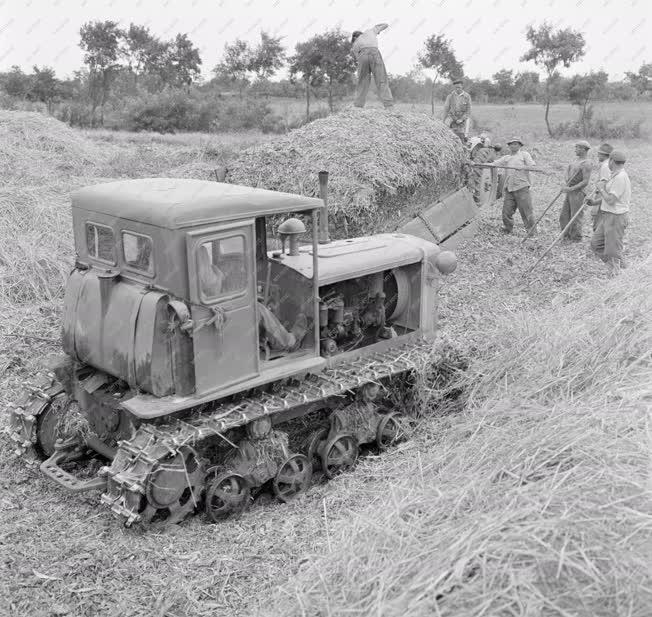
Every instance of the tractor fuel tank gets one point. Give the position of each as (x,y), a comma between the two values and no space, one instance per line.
(127,331)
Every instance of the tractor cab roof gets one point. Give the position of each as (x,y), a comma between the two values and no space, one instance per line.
(176,203)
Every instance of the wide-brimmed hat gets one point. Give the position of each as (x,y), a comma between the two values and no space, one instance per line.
(457,80)
(515,140)
(605,149)
(583,144)
(618,156)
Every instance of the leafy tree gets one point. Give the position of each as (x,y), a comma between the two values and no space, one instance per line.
(16,83)
(550,50)
(145,52)
(101,43)
(235,64)
(438,56)
(526,86)
(504,80)
(306,63)
(267,58)
(45,86)
(641,81)
(182,62)
(336,63)
(582,89)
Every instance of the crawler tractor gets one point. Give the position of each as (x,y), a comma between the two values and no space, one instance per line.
(194,337)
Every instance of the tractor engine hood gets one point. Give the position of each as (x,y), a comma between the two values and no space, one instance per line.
(346,259)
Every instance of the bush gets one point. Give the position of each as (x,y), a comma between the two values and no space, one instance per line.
(234,115)
(601,127)
(274,123)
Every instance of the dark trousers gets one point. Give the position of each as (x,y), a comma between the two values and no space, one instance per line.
(370,62)
(520,200)
(608,238)
(572,203)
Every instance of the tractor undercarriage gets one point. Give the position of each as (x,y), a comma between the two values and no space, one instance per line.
(218,457)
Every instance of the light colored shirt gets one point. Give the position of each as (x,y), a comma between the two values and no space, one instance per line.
(369,38)
(516,179)
(604,172)
(619,186)
(457,106)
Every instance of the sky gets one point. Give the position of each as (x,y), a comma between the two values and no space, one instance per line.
(486,35)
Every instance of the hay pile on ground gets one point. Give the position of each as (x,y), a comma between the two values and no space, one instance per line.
(536,501)
(34,147)
(370,154)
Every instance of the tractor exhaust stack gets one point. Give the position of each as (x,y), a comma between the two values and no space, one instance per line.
(323,215)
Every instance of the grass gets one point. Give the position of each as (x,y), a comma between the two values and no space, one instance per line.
(534,501)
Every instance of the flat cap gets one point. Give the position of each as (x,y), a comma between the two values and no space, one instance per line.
(457,80)
(515,140)
(618,156)
(605,149)
(584,144)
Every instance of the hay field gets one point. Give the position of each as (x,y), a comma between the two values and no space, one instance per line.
(533,501)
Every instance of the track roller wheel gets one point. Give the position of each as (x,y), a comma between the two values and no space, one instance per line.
(175,484)
(389,430)
(339,454)
(227,494)
(315,444)
(293,477)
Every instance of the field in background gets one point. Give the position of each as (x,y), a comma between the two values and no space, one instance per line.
(501,120)
(534,501)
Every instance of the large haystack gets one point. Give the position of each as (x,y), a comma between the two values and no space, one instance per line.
(371,154)
(35,148)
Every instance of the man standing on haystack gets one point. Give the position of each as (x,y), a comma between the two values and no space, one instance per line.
(616,194)
(457,110)
(516,193)
(578,175)
(364,46)
(604,173)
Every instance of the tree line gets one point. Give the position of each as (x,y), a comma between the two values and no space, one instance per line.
(126,67)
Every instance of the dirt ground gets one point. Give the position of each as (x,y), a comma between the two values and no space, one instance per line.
(65,555)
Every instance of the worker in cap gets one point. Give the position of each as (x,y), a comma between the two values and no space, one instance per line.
(364,46)
(616,193)
(457,110)
(604,173)
(516,185)
(578,174)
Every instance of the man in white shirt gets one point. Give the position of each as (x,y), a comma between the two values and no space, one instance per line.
(604,173)
(616,194)
(364,46)
(516,193)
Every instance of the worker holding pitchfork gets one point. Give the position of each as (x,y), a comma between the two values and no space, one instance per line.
(578,175)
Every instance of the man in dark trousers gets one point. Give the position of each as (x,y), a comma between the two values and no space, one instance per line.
(517,185)
(604,173)
(616,194)
(457,110)
(364,46)
(578,174)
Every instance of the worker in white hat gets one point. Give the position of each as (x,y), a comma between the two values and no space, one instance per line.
(578,174)
(516,187)
(608,237)
(604,173)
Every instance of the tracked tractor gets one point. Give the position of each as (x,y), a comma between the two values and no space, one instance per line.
(194,337)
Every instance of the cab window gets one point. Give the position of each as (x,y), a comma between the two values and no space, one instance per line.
(222,267)
(137,252)
(100,243)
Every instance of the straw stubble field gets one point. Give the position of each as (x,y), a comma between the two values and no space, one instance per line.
(533,501)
